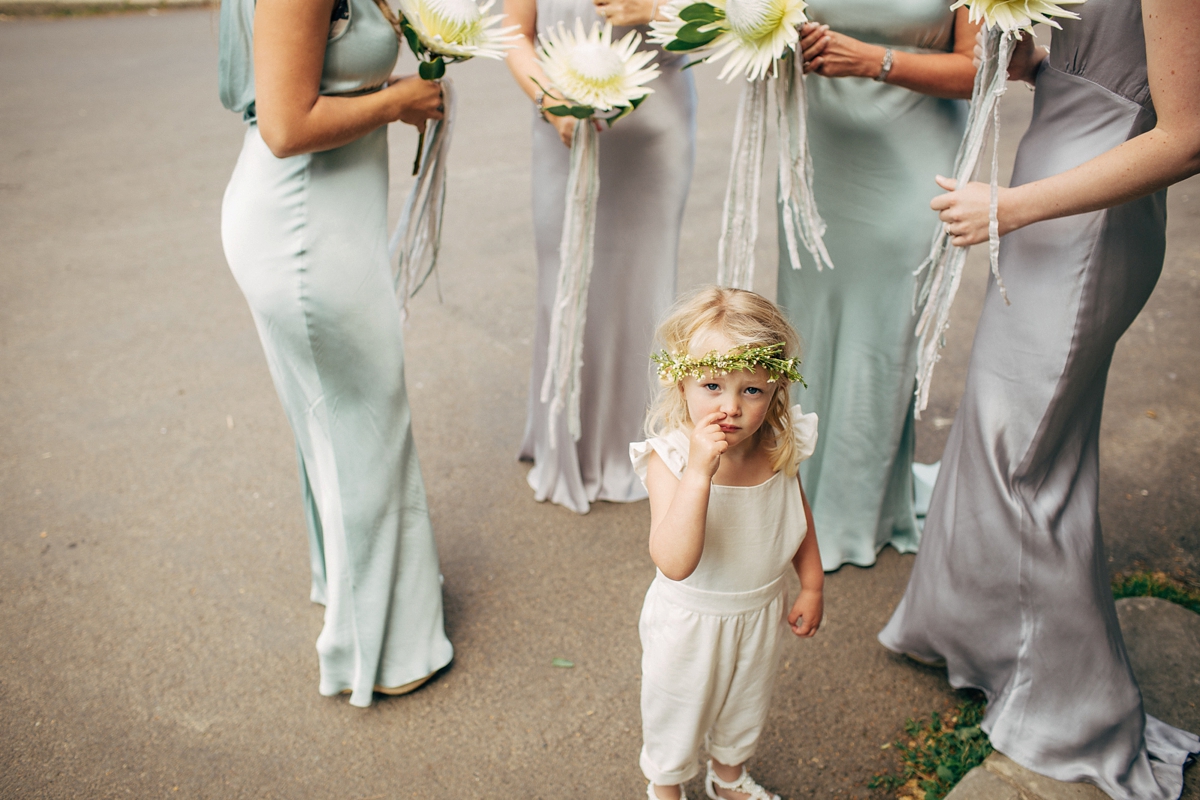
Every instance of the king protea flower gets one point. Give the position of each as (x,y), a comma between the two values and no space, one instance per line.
(458,29)
(753,34)
(1017,15)
(589,70)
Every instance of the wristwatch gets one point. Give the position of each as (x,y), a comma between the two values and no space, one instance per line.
(887,65)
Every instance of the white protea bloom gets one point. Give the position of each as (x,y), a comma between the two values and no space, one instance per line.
(589,70)
(758,33)
(459,29)
(1017,15)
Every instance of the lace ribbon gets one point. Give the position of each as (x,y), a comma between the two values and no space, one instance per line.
(576,251)
(418,235)
(739,218)
(798,204)
(939,275)
(802,224)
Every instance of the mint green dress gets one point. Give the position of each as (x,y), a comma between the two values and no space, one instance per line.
(876,149)
(306,239)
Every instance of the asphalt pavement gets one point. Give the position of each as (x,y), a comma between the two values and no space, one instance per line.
(156,637)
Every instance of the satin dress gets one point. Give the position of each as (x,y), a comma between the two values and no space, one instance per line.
(645,170)
(876,149)
(306,239)
(1011,586)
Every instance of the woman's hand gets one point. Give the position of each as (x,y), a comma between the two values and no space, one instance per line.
(707,445)
(564,125)
(1026,58)
(836,55)
(966,212)
(417,100)
(627,12)
(808,610)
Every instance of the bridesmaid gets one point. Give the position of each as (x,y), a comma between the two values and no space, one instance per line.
(1011,587)
(304,229)
(882,123)
(645,169)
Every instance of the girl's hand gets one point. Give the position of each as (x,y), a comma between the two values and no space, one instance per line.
(807,610)
(965,212)
(708,444)
(626,12)
(417,100)
(836,55)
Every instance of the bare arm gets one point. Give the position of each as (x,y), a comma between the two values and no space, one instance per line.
(679,506)
(678,510)
(523,64)
(836,55)
(1143,165)
(809,607)
(293,117)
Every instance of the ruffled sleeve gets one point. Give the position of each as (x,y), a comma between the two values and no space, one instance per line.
(672,449)
(804,433)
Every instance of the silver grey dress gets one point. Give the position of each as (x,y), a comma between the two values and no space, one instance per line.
(645,169)
(306,239)
(1011,586)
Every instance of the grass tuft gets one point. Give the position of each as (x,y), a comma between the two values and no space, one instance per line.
(1156,584)
(936,753)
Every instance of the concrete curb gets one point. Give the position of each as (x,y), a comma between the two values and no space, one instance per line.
(1163,640)
(36,8)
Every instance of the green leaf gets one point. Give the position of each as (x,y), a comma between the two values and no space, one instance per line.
(692,34)
(700,12)
(432,70)
(562,662)
(676,46)
(582,112)
(410,36)
(559,111)
(945,774)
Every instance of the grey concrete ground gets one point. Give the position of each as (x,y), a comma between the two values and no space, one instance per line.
(157,639)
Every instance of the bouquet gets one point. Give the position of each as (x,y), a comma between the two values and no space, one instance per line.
(439,32)
(759,39)
(940,273)
(591,79)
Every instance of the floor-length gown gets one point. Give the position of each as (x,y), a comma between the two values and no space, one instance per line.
(876,149)
(1011,586)
(306,239)
(645,169)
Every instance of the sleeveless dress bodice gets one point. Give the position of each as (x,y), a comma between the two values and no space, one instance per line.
(751,533)
(359,56)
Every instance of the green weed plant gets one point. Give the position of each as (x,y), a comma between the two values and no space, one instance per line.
(1156,584)
(936,753)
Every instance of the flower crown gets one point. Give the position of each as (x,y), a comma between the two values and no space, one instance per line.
(674,368)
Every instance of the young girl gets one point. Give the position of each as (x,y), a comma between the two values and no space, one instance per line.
(727,518)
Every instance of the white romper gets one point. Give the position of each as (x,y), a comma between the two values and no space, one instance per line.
(710,643)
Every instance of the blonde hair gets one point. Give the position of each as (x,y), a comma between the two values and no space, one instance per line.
(748,320)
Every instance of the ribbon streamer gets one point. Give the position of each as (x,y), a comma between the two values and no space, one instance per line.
(942,269)
(739,218)
(564,364)
(798,203)
(802,224)
(418,235)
